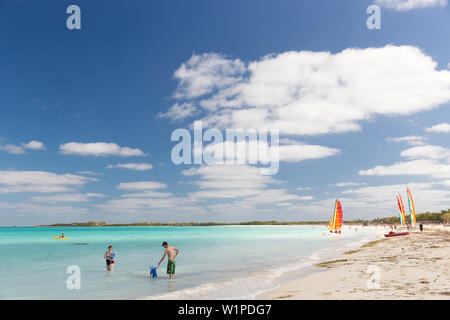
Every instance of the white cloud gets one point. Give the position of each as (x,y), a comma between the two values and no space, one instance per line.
(241,182)
(22,149)
(405,5)
(310,93)
(433,161)
(132,166)
(347,184)
(427,152)
(141,185)
(207,72)
(299,152)
(414,167)
(98,149)
(439,128)
(260,151)
(411,140)
(43,210)
(68,197)
(377,199)
(13,149)
(34,145)
(39,181)
(179,112)
(148,205)
(229,176)
(148,194)
(89,173)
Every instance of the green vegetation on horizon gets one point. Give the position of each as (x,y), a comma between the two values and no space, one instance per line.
(177,224)
(440,217)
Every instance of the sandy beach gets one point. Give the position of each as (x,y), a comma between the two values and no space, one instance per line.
(409,267)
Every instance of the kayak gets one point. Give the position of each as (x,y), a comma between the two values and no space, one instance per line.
(61,238)
(396,234)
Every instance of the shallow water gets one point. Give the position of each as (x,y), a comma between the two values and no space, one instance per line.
(214,262)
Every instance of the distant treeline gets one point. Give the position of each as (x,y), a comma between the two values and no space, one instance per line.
(438,217)
(179,224)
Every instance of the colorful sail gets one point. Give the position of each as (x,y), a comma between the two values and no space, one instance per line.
(401,210)
(412,210)
(336,219)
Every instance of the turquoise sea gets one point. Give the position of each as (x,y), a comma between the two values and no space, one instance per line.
(229,262)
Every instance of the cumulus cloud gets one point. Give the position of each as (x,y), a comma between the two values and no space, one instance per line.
(242,182)
(149,205)
(148,194)
(433,161)
(347,184)
(22,149)
(179,112)
(34,145)
(261,151)
(376,198)
(131,166)
(89,173)
(411,140)
(204,73)
(439,128)
(40,181)
(141,185)
(310,93)
(98,149)
(13,149)
(405,5)
(427,152)
(68,197)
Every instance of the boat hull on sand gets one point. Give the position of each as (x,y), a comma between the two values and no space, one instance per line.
(396,234)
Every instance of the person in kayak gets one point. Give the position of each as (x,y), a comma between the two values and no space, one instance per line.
(109,260)
(171,253)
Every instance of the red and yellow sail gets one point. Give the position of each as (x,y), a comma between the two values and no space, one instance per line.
(412,210)
(401,210)
(336,219)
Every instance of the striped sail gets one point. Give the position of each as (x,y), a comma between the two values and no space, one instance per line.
(336,219)
(401,210)
(412,210)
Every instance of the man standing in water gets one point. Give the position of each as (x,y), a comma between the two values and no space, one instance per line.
(171,253)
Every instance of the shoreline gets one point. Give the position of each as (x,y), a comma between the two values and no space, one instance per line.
(277,274)
(407,267)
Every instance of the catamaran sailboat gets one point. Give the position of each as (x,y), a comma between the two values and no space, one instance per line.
(412,210)
(401,212)
(335,224)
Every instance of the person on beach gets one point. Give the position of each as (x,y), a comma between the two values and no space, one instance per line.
(421,227)
(171,253)
(109,259)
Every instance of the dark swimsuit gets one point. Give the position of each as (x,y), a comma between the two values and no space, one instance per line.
(108,262)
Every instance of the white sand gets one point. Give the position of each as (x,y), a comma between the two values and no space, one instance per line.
(410,267)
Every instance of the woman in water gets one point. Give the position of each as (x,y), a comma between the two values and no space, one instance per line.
(109,260)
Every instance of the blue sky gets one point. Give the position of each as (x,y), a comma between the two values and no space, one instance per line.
(311,69)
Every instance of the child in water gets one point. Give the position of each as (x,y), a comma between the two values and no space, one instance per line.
(153,273)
